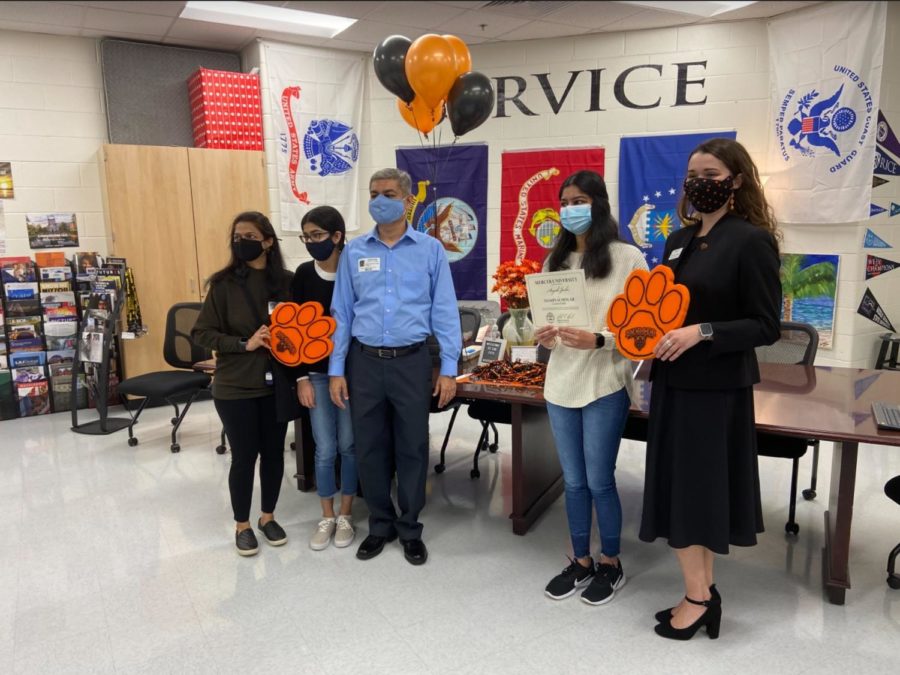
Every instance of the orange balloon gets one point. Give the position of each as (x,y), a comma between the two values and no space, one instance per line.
(431,68)
(461,52)
(420,116)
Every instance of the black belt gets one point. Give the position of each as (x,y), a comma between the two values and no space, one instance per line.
(390,352)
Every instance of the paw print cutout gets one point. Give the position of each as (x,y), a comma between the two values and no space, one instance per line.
(300,333)
(651,305)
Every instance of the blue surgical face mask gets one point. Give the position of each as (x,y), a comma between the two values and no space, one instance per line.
(577,218)
(385,210)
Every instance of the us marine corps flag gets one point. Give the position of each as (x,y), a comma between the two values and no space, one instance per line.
(824,111)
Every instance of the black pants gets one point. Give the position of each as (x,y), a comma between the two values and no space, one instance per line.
(253,430)
(389,404)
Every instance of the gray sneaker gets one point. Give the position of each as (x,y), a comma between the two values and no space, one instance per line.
(322,536)
(345,533)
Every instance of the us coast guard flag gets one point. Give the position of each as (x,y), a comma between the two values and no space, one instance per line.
(824,111)
(315,103)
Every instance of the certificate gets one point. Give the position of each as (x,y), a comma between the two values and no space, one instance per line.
(558,299)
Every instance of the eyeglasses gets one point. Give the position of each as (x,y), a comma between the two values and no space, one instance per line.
(315,237)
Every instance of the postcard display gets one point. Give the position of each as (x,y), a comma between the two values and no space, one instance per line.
(58,349)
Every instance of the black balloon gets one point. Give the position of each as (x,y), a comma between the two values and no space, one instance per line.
(390,67)
(470,102)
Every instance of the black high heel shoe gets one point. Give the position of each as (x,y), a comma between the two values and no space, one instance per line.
(666,614)
(711,618)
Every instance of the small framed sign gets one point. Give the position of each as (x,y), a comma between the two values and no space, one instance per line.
(528,354)
(492,350)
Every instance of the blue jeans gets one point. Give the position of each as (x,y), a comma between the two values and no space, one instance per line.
(333,432)
(587,441)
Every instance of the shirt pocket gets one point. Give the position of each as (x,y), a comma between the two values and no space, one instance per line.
(414,287)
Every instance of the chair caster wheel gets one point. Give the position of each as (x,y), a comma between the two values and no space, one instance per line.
(132,442)
(474,473)
(894,582)
(175,447)
(492,448)
(439,468)
(220,449)
(293,446)
(791,528)
(174,421)
(809,494)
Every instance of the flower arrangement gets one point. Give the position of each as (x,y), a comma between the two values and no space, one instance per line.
(510,281)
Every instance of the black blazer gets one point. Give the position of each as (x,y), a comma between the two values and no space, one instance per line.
(733,275)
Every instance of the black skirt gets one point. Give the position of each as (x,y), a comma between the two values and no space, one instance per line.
(701,484)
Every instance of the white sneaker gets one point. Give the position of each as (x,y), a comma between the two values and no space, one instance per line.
(322,536)
(345,532)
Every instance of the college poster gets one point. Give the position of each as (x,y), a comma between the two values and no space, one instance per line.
(316,107)
(51,230)
(827,64)
(529,197)
(651,173)
(450,187)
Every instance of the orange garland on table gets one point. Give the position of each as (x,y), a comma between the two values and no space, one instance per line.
(510,281)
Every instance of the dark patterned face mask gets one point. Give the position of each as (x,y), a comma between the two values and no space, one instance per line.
(708,195)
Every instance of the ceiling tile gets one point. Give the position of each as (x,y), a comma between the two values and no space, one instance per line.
(762,10)
(354,9)
(591,14)
(471,22)
(227,36)
(158,8)
(140,37)
(465,4)
(373,32)
(650,18)
(418,14)
(130,22)
(46,28)
(537,30)
(42,12)
(530,11)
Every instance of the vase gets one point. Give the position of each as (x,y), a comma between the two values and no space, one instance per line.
(518,331)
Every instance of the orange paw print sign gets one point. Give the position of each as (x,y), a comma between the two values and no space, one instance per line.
(651,305)
(300,333)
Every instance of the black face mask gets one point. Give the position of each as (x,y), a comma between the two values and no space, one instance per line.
(321,250)
(247,249)
(708,195)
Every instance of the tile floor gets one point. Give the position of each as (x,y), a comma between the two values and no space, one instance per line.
(120,560)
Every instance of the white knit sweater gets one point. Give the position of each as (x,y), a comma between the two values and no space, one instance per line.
(576,377)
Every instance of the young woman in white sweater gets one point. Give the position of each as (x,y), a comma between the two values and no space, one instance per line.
(588,388)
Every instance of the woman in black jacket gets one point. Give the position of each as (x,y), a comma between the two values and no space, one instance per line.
(254,395)
(702,481)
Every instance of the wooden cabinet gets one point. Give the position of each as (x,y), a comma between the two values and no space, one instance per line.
(169,212)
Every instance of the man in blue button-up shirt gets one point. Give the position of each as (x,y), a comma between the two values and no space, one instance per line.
(393,290)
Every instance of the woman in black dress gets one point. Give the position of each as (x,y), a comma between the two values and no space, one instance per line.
(702,481)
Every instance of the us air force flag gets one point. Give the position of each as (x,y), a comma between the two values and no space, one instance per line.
(651,173)
(315,102)
(824,108)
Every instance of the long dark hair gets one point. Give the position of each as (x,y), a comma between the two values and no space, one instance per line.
(237,269)
(597,261)
(329,219)
(749,199)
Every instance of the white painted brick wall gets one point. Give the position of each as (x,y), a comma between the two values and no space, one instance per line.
(52,124)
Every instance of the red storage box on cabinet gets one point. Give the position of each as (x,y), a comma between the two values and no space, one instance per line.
(225,110)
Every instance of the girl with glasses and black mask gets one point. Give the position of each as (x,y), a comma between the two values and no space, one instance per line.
(252,392)
(324,235)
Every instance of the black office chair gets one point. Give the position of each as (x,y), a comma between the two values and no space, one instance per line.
(172,386)
(797,345)
(892,490)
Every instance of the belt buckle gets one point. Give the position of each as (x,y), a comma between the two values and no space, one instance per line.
(385,353)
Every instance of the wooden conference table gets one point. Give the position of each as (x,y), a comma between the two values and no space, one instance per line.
(829,404)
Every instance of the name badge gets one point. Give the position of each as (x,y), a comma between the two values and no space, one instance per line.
(674,255)
(369,264)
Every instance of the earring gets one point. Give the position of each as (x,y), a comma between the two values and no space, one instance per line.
(731,202)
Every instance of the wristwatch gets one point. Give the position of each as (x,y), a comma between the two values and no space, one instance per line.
(599,340)
(243,343)
(706,331)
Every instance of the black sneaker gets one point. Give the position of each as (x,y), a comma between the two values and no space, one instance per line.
(569,580)
(273,532)
(607,580)
(246,542)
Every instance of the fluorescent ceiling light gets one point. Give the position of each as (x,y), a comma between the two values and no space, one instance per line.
(704,9)
(267,17)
